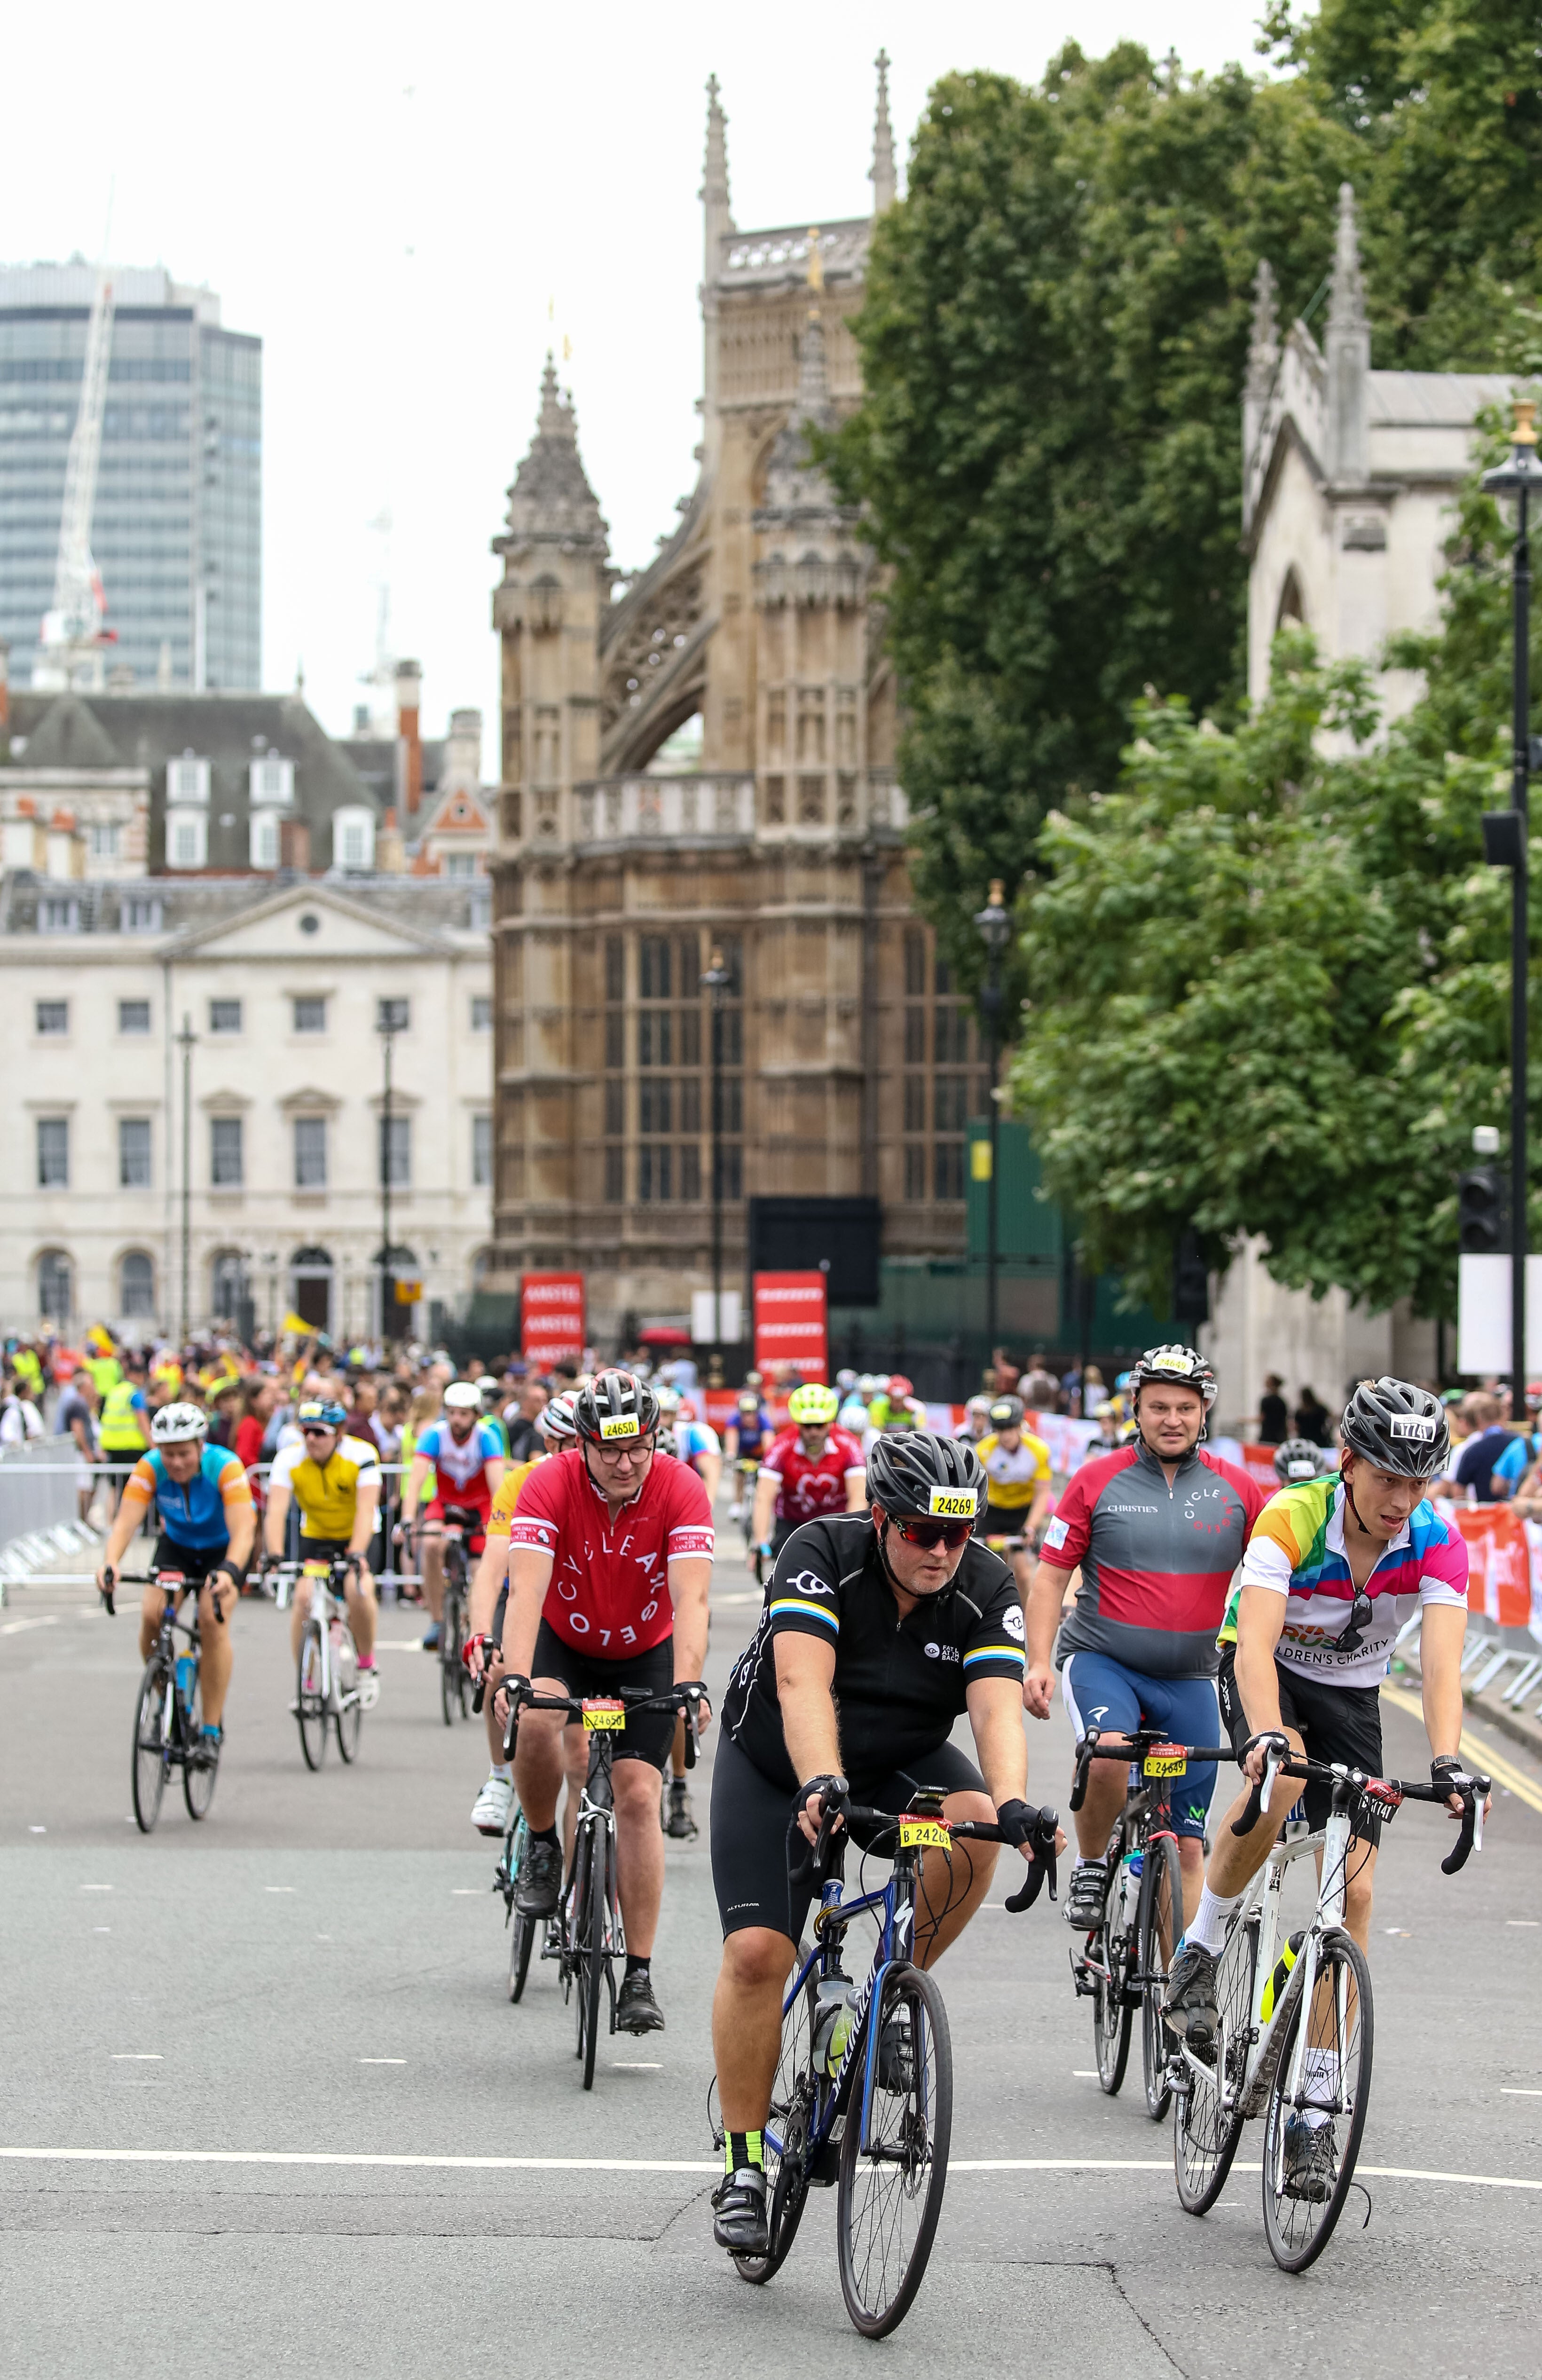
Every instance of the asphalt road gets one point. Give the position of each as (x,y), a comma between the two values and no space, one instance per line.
(249,2067)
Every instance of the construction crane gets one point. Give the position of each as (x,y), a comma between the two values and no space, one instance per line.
(70,644)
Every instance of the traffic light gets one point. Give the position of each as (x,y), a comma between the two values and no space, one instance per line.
(1482,1227)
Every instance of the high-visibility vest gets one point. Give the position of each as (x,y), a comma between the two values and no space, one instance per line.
(118,1428)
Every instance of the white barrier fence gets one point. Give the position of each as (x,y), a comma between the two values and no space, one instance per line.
(39,1507)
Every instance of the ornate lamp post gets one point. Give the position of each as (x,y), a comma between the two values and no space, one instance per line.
(995,927)
(388,1028)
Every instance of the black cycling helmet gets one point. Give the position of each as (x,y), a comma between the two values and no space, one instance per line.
(614,1407)
(1173,1366)
(1398,1427)
(1297,1460)
(915,1471)
(1006,1413)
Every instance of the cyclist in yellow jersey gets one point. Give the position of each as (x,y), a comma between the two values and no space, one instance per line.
(335,1481)
(1017,1479)
(492,1809)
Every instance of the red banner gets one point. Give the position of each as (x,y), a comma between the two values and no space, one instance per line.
(551,1317)
(1499,1580)
(790,1322)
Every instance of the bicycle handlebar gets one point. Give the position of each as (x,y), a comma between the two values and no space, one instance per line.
(1386,1793)
(1133,1746)
(117,1578)
(1042,1864)
(687,1697)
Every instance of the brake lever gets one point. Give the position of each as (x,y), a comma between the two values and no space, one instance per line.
(1089,1743)
(1043,1867)
(1263,1793)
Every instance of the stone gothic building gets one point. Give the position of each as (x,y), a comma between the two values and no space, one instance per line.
(849,1066)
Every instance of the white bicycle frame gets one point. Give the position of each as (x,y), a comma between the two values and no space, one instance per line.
(324,1609)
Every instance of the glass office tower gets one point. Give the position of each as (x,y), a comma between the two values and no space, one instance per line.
(176,530)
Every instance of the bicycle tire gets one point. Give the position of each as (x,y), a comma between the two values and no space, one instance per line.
(1162,1913)
(589,1934)
(913,2129)
(1112,2014)
(1204,2137)
(795,2097)
(201,1761)
(150,1763)
(347,1712)
(452,1674)
(309,1703)
(1296,2244)
(522,1928)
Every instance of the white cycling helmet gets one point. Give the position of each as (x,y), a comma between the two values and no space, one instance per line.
(555,1422)
(178,1426)
(464,1396)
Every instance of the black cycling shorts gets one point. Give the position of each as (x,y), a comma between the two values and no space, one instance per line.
(751,1815)
(1005,1520)
(647,1736)
(1334,1723)
(195,1563)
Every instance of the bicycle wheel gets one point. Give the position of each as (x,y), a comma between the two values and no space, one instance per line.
(452,1701)
(1112,2013)
(347,1710)
(309,1703)
(1299,2229)
(795,2098)
(1160,1924)
(522,1929)
(1205,2130)
(201,1761)
(150,1761)
(890,2195)
(590,1910)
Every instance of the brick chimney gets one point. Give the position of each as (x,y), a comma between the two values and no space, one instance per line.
(409,683)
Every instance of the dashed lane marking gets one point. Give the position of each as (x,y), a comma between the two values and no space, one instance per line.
(38,1620)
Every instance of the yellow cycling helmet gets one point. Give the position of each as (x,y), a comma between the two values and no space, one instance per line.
(813,1406)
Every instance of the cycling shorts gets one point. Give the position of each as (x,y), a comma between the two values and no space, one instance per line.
(1333,1722)
(1099,1692)
(751,1815)
(1005,1520)
(476,1537)
(647,1735)
(195,1563)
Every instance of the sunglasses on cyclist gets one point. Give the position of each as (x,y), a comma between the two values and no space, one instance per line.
(917,1531)
(316,1429)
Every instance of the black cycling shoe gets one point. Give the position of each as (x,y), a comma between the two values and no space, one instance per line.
(1308,2160)
(637,2010)
(1191,2007)
(739,2221)
(1089,1890)
(540,1879)
(679,1825)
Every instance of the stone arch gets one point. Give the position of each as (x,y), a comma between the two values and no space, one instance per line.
(1290,611)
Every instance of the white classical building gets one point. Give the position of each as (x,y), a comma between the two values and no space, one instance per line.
(277,1099)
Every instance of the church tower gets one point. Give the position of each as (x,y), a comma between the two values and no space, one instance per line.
(847,1064)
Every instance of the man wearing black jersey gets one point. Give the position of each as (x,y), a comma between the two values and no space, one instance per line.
(880,1629)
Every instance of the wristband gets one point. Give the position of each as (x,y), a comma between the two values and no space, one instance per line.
(1445,1764)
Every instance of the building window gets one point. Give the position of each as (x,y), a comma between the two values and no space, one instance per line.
(479,909)
(228,1286)
(914,963)
(396,1152)
(133,1017)
(263,840)
(655,1173)
(951,1042)
(352,837)
(133,1153)
(915,1171)
(272,779)
(481,1152)
(58,914)
(311,1013)
(310,1152)
(140,913)
(52,1015)
(186,780)
(53,1152)
(186,838)
(55,1285)
(225,1016)
(948,1169)
(614,1037)
(103,838)
(615,1177)
(950,1102)
(615,968)
(481,1012)
(136,1287)
(226,1156)
(461,864)
(729,1172)
(916,1037)
(392,1015)
(914,1103)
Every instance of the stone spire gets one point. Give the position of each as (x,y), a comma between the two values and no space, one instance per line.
(1348,353)
(719,219)
(551,498)
(1263,351)
(881,172)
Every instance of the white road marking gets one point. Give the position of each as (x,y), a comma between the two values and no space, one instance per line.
(637,2066)
(101,1929)
(278,1888)
(1084,2074)
(382,2061)
(1515,2091)
(673,2165)
(1509,1921)
(15,1627)
(96,1887)
(468,1892)
(397,1645)
(139,2056)
(37,1830)
(1401,1932)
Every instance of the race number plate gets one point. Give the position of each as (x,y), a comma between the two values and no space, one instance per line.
(605,1716)
(620,1425)
(923,1835)
(1165,1760)
(954,1505)
(316,1570)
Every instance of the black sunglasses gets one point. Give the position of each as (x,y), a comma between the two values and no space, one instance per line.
(931,1533)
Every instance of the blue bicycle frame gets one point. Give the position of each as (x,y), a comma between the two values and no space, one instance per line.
(894,1949)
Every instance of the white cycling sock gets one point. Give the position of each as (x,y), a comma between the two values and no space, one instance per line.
(1209,1926)
(504,1773)
(1319,2081)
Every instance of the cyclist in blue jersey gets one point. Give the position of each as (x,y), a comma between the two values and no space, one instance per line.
(465,1455)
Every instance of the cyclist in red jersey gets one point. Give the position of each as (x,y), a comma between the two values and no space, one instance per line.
(807,1472)
(610,1561)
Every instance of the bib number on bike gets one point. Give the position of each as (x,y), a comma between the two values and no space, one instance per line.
(923,1835)
(316,1570)
(1165,1760)
(604,1717)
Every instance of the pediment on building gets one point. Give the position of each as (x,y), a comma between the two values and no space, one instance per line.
(344,929)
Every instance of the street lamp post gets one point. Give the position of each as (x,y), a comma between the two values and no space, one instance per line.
(1505,839)
(186,1040)
(994,928)
(388,1029)
(715,983)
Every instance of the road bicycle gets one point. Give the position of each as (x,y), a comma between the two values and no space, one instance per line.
(863,2093)
(1295,2032)
(463,1525)
(1122,1965)
(584,1934)
(168,1717)
(327,1684)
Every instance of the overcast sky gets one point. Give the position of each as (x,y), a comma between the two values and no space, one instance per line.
(392,198)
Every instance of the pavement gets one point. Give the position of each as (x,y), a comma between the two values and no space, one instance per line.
(266,2105)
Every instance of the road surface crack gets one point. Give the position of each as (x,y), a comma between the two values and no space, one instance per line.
(1113,2272)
